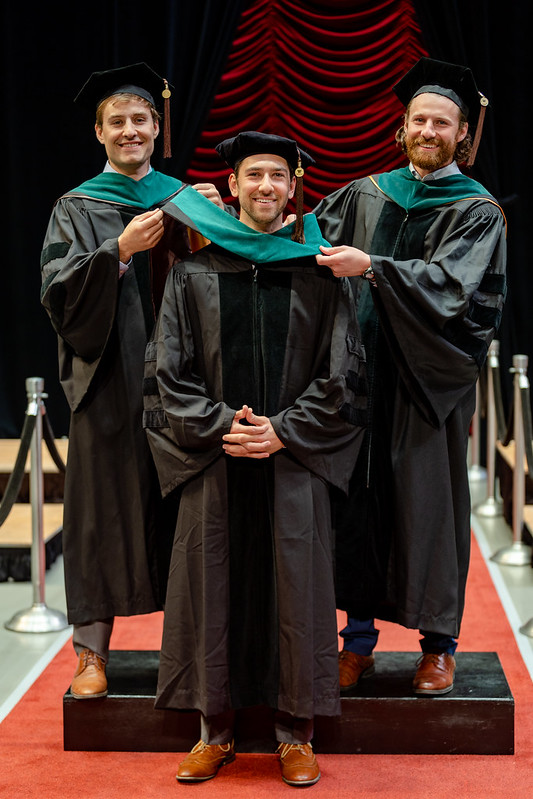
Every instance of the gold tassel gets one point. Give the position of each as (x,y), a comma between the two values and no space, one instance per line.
(298,234)
(167,150)
(477,137)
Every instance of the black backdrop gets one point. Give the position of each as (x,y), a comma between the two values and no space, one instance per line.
(49,52)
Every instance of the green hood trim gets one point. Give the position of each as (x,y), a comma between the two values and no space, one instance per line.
(412,194)
(146,193)
(220,227)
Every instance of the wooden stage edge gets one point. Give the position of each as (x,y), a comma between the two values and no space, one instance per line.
(16,533)
(381,716)
(9,449)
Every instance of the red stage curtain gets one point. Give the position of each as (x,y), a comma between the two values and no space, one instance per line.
(321,72)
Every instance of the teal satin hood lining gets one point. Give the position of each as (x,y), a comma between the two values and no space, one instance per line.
(410,193)
(199,213)
(146,193)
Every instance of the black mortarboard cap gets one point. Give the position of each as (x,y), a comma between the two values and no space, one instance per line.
(253,142)
(139,79)
(450,80)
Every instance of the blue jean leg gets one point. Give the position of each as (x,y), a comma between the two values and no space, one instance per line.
(361,636)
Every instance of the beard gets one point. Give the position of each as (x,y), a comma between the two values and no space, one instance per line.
(429,159)
(263,218)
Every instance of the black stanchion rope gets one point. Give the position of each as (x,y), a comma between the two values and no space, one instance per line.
(17,475)
(48,435)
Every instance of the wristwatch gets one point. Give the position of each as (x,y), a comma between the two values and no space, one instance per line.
(368,274)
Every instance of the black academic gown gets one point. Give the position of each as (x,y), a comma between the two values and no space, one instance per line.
(114,562)
(250,608)
(403,537)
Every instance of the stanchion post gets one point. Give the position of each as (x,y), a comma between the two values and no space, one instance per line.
(518,553)
(492,506)
(39,618)
(475,471)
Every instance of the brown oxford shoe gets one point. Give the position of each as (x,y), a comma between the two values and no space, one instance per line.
(204,760)
(434,675)
(89,681)
(298,764)
(354,667)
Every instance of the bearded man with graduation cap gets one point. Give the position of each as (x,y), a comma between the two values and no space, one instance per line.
(99,275)
(429,243)
(260,374)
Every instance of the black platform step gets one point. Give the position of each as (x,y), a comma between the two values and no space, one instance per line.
(381,716)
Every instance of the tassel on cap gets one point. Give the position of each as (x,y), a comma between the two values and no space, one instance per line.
(298,234)
(483,102)
(167,149)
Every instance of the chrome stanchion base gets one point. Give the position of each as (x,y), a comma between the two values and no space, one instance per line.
(517,554)
(37,619)
(477,473)
(527,629)
(490,508)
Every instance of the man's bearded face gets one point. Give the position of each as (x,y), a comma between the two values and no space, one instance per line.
(432,132)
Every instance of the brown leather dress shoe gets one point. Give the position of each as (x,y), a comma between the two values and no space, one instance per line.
(204,760)
(353,667)
(89,681)
(298,764)
(434,675)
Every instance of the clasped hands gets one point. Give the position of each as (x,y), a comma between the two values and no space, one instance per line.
(256,439)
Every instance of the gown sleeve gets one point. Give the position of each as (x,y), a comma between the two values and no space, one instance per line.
(80,281)
(438,311)
(440,315)
(80,274)
(197,422)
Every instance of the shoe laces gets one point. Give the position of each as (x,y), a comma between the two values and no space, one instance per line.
(284,749)
(90,658)
(201,746)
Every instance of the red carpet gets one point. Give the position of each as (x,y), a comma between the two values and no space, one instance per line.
(35,765)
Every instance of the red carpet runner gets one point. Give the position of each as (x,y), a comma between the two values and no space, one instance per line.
(35,765)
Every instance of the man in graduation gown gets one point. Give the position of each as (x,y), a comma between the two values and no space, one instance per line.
(260,373)
(431,244)
(98,275)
